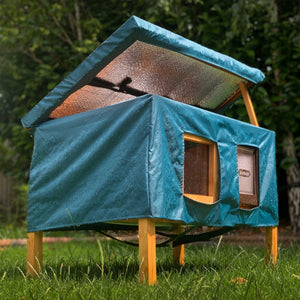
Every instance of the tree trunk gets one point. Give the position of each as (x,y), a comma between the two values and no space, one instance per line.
(293,172)
(293,181)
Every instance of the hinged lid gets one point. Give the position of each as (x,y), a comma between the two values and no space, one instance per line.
(141,58)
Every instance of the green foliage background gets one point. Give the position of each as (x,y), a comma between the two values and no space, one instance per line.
(41,41)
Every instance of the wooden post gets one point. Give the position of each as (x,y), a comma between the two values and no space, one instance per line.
(178,251)
(271,233)
(248,104)
(147,251)
(34,263)
(271,245)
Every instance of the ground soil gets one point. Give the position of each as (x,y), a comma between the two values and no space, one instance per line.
(241,236)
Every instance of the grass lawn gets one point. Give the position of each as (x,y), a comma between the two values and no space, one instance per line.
(109,270)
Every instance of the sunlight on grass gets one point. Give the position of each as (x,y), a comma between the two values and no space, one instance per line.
(109,270)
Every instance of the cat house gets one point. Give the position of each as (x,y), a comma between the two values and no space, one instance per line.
(135,135)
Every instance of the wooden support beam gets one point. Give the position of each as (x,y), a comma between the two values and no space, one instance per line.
(248,104)
(34,263)
(178,251)
(271,234)
(147,251)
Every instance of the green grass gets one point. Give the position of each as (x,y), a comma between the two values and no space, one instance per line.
(8,231)
(109,270)
(17,231)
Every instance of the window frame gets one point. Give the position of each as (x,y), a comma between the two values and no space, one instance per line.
(213,174)
(250,201)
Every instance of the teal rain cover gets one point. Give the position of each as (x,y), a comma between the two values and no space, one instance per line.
(126,161)
(106,148)
(141,58)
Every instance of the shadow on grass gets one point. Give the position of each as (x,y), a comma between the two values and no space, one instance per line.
(188,267)
(109,269)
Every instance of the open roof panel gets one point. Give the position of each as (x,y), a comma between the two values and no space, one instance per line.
(141,58)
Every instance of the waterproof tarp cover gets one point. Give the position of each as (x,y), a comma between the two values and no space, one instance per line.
(142,58)
(126,161)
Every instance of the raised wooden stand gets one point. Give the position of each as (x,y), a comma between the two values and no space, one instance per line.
(147,250)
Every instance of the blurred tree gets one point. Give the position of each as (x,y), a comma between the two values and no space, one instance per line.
(270,30)
(42,41)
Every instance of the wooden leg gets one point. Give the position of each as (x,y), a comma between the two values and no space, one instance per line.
(34,253)
(178,251)
(271,245)
(147,251)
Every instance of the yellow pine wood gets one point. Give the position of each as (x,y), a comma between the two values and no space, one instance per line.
(178,251)
(34,263)
(248,104)
(213,172)
(271,244)
(196,139)
(147,251)
(200,198)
